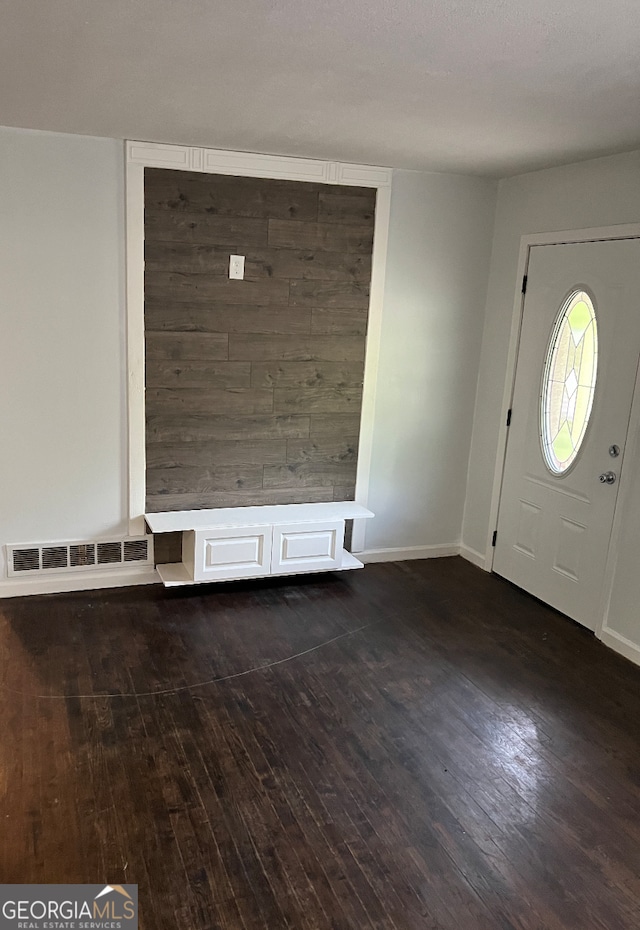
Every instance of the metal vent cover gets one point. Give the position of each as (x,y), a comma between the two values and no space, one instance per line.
(26,560)
(82,555)
(55,557)
(97,555)
(135,550)
(109,553)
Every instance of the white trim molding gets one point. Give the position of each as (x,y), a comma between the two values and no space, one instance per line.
(89,581)
(134,191)
(79,581)
(473,556)
(620,644)
(372,358)
(249,164)
(140,155)
(405,553)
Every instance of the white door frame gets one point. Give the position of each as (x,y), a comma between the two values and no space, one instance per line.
(565,237)
(141,155)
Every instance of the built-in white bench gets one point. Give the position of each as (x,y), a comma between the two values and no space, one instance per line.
(252,542)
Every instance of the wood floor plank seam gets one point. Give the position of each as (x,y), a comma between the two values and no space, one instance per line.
(199,684)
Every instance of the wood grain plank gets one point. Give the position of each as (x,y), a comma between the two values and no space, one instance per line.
(218,452)
(309,474)
(162,256)
(167,547)
(198,401)
(199,288)
(328,398)
(202,479)
(305,374)
(192,373)
(349,295)
(347,493)
(348,526)
(187,346)
(322,450)
(308,495)
(164,315)
(226,195)
(260,264)
(348,206)
(333,237)
(339,322)
(295,348)
(314,264)
(182,428)
(335,425)
(228,232)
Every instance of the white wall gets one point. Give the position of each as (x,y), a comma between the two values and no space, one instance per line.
(439,247)
(601,192)
(62,403)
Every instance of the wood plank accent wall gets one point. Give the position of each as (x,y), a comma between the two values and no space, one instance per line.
(253,387)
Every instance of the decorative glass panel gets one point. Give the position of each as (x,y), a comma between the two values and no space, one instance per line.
(569,382)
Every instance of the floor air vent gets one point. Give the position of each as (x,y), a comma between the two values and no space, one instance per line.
(79,556)
(26,560)
(109,553)
(135,550)
(82,555)
(55,557)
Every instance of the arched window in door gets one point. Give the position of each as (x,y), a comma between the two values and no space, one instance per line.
(569,381)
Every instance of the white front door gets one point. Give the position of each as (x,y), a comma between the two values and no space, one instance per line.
(556,506)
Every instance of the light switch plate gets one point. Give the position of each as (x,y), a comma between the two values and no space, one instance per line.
(236,267)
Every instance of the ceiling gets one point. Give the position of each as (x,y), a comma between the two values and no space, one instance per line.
(493,87)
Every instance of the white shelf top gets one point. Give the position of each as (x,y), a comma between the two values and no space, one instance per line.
(176,520)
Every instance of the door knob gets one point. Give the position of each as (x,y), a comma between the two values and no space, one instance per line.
(608,477)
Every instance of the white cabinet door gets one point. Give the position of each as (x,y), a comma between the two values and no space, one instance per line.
(232,552)
(307,547)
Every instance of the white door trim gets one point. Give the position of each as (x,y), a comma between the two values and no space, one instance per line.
(140,155)
(564,237)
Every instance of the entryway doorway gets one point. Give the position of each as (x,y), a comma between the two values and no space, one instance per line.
(575,377)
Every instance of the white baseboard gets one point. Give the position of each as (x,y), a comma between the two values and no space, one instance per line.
(88,581)
(472,555)
(621,644)
(408,552)
(78,581)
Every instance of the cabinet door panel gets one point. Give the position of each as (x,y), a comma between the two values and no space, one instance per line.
(236,552)
(307,547)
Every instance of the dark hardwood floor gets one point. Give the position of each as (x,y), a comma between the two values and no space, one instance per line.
(444,752)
